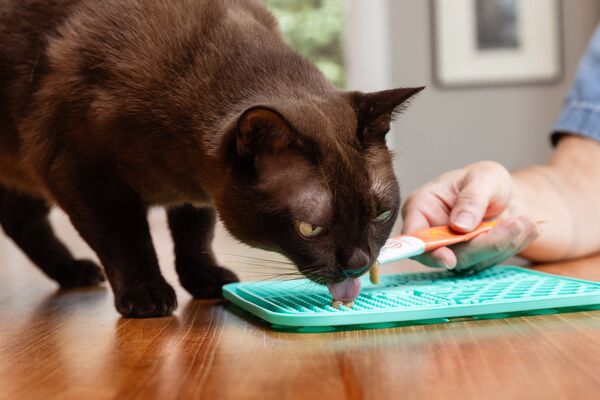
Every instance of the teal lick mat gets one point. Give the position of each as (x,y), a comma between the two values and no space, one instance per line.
(414,297)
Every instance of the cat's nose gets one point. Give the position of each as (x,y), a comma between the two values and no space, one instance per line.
(357,264)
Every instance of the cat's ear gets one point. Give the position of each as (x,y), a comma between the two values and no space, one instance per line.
(279,154)
(263,129)
(377,110)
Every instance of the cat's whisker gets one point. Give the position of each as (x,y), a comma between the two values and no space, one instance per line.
(271,278)
(276,279)
(274,273)
(248,257)
(278,274)
(273,270)
(265,273)
(259,267)
(252,268)
(274,266)
(264,269)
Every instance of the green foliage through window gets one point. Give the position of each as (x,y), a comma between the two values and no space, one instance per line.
(315,29)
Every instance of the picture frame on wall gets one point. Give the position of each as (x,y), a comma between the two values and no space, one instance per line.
(496,42)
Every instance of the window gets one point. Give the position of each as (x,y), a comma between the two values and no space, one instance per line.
(315,29)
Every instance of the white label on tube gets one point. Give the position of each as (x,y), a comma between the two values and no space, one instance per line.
(400,248)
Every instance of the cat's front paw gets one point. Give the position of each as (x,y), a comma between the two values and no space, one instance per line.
(206,282)
(147,300)
(80,273)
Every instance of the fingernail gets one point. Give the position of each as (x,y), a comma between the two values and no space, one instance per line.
(464,220)
(447,264)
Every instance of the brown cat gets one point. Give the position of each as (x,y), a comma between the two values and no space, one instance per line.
(108,107)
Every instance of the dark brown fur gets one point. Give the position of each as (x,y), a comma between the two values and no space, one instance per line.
(108,107)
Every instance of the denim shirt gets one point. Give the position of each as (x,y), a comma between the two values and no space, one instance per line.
(581,111)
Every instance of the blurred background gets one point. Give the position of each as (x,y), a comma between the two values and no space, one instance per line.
(504,115)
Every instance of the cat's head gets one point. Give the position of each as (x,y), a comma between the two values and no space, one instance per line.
(314,180)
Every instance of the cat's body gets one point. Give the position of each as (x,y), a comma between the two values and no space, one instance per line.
(169,81)
(108,107)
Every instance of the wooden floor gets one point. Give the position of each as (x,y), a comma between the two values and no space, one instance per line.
(73,345)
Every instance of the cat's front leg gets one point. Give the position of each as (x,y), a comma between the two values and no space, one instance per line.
(111,218)
(192,229)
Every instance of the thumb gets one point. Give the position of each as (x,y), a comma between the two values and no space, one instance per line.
(471,203)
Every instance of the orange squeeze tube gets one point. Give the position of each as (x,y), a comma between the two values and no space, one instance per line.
(425,240)
(440,236)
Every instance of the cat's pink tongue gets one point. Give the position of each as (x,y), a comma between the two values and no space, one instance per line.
(346,290)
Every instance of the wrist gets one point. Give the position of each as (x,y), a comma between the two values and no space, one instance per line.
(516,206)
(539,194)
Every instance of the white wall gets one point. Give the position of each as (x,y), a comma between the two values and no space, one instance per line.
(368,42)
(445,129)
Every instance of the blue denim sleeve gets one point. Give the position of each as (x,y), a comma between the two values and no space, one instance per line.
(581,111)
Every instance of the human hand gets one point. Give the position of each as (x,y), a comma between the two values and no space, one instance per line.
(462,199)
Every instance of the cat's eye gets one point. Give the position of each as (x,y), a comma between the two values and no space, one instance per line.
(308,230)
(384,216)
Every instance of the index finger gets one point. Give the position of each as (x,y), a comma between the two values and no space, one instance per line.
(413,221)
(423,210)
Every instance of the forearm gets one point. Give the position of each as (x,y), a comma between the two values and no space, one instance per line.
(565,195)
(541,193)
